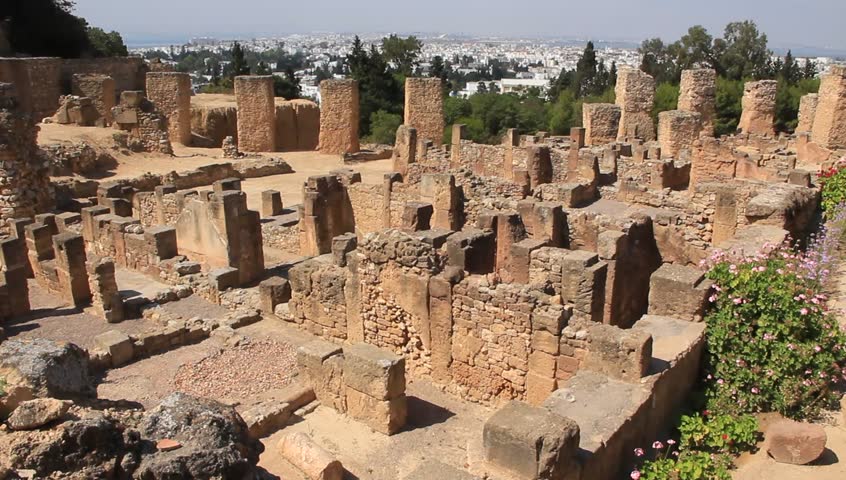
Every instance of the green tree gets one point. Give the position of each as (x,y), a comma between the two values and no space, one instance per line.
(694,49)
(743,51)
(401,53)
(239,63)
(728,106)
(482,88)
(106,44)
(790,70)
(657,60)
(666,98)
(378,88)
(287,87)
(564,114)
(383,127)
(45,28)
(439,70)
(262,69)
(787,102)
(809,69)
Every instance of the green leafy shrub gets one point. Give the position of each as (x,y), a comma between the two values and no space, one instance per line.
(383,127)
(719,433)
(833,183)
(771,343)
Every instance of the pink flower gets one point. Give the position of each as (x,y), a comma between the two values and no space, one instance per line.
(804,311)
(817,349)
(755,390)
(635,475)
(720,381)
(657,445)
(737,301)
(638,452)
(671,442)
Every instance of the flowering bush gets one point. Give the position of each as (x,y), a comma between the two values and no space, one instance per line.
(833,183)
(719,433)
(685,460)
(772,345)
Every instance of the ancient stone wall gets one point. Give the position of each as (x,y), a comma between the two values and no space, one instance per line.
(171,93)
(256,113)
(698,93)
(214,123)
(146,128)
(424,108)
(339,111)
(601,122)
(759,99)
(677,130)
(829,130)
(297,125)
(326,213)
(37,83)
(807,112)
(635,94)
(25,188)
(127,72)
(100,89)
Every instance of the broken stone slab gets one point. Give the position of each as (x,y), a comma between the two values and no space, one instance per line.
(312,459)
(33,414)
(794,442)
(266,418)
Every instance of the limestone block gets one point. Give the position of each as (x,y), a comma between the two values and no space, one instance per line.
(118,344)
(698,93)
(618,353)
(635,94)
(274,291)
(271,203)
(317,463)
(434,469)
(256,113)
(678,291)
(530,442)
(829,130)
(171,93)
(794,442)
(339,116)
(321,363)
(759,101)
(424,108)
(417,216)
(677,130)
(373,371)
(807,111)
(383,416)
(405,149)
(601,122)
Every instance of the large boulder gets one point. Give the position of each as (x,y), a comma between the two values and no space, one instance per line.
(40,369)
(214,441)
(794,442)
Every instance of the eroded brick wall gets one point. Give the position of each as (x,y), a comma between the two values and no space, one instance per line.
(698,93)
(424,108)
(829,129)
(635,94)
(759,99)
(171,93)
(256,113)
(339,117)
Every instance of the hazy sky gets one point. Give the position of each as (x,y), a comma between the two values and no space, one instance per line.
(788,23)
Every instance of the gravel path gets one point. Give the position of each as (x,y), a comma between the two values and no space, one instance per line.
(239,372)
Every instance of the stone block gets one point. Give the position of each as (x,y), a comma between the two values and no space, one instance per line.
(794,442)
(678,291)
(224,278)
(274,291)
(341,246)
(417,216)
(618,353)
(383,416)
(530,442)
(271,203)
(118,344)
(321,363)
(373,371)
(312,459)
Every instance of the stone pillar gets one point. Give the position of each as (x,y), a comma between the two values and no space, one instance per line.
(242,230)
(635,91)
(758,108)
(539,166)
(374,385)
(807,111)
(105,296)
(326,213)
(14,270)
(339,112)
(601,122)
(405,149)
(256,113)
(441,192)
(698,93)
(271,203)
(829,129)
(24,181)
(424,108)
(459,131)
(101,90)
(69,249)
(677,130)
(171,93)
(510,140)
(509,230)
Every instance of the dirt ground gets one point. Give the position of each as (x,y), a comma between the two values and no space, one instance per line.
(305,164)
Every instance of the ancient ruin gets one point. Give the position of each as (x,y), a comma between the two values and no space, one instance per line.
(527,309)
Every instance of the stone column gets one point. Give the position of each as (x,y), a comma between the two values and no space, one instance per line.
(441,192)
(424,108)
(698,93)
(171,93)
(758,108)
(601,122)
(101,90)
(256,113)
(539,166)
(405,149)
(807,111)
(105,296)
(635,91)
(72,275)
(339,111)
(510,140)
(24,181)
(677,130)
(459,131)
(829,129)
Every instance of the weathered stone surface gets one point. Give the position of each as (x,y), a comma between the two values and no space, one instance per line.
(312,459)
(435,470)
(383,416)
(794,442)
(601,122)
(256,113)
(339,117)
(635,94)
(41,368)
(374,371)
(118,344)
(424,108)
(530,442)
(37,413)
(759,102)
(215,440)
(698,93)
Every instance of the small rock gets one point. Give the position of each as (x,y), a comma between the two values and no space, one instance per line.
(33,414)
(795,443)
(166,445)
